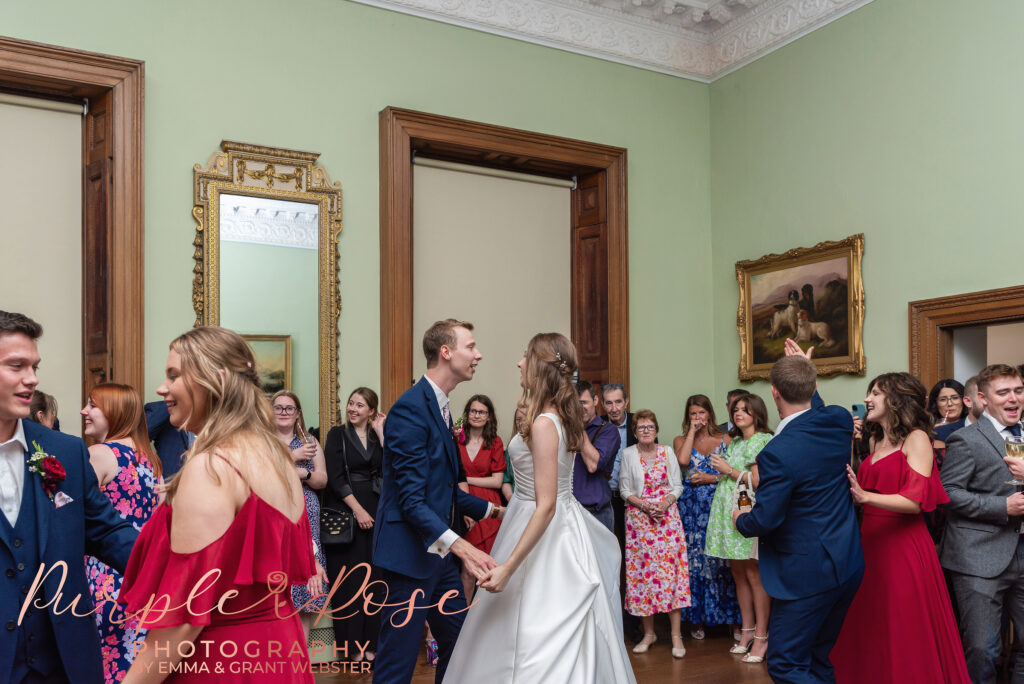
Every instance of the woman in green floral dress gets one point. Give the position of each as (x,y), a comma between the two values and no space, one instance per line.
(750,434)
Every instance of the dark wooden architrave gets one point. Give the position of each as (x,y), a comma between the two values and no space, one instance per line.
(57,72)
(932,322)
(405,132)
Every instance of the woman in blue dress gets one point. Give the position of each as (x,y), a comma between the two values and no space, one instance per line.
(311,468)
(712,590)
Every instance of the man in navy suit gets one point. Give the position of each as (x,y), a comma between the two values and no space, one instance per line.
(420,503)
(170,442)
(809,544)
(40,527)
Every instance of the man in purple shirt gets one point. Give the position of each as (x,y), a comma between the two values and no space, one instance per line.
(593,466)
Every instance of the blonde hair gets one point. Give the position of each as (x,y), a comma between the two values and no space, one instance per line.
(547,379)
(237,410)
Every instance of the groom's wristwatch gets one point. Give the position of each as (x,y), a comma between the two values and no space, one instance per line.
(494,512)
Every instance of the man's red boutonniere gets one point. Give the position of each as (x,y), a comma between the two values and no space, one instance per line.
(458,430)
(46,467)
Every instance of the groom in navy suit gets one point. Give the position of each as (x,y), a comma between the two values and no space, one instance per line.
(420,504)
(46,519)
(809,544)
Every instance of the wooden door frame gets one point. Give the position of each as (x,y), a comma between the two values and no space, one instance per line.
(932,322)
(51,71)
(405,132)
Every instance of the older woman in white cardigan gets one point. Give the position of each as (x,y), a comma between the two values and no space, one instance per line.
(657,574)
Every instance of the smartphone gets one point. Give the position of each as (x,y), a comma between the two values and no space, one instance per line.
(859,411)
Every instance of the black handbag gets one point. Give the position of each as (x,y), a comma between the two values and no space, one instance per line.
(338,525)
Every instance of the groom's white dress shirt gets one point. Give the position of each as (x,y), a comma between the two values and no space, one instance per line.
(787,420)
(444,543)
(12,473)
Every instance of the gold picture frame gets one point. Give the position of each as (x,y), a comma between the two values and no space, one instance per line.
(812,294)
(273,360)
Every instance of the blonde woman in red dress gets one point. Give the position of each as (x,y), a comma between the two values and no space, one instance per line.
(900,626)
(482,454)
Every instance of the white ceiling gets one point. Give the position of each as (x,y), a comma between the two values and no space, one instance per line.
(700,40)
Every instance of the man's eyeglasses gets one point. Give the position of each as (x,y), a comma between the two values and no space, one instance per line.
(478,412)
(285,410)
(645,428)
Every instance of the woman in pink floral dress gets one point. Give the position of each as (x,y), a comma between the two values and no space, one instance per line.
(128,471)
(657,573)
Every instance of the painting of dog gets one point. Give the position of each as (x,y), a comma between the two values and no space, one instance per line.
(813,295)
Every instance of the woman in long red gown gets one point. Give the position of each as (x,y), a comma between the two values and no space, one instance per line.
(233,526)
(900,627)
(483,458)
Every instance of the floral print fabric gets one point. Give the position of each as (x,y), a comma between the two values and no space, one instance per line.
(657,571)
(712,590)
(723,540)
(132,495)
(300,594)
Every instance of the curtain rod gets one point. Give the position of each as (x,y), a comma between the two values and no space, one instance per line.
(496,173)
(36,103)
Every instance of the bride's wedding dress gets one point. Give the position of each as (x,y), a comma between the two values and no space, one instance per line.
(558,619)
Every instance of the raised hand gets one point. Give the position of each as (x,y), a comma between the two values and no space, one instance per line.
(720,464)
(793,349)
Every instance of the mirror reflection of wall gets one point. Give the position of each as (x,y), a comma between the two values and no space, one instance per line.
(977,346)
(269,282)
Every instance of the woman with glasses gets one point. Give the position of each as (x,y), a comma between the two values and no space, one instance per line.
(946,404)
(483,458)
(311,469)
(657,570)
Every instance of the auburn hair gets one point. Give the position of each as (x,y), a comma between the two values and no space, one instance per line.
(550,363)
(126,417)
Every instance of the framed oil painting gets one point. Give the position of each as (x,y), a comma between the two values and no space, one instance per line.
(814,295)
(273,360)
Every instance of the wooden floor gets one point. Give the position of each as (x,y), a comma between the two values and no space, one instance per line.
(706,661)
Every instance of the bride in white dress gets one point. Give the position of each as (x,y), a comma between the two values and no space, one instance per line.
(551,610)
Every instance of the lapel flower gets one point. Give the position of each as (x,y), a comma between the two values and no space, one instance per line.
(47,468)
(459,430)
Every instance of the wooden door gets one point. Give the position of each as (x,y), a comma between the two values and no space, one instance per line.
(96,291)
(590,278)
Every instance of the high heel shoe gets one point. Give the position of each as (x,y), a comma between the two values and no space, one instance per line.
(740,649)
(750,657)
(432,652)
(678,652)
(645,643)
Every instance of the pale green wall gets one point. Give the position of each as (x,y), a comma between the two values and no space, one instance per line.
(902,120)
(272,290)
(314,75)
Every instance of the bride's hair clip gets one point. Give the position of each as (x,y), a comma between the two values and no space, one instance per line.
(561,364)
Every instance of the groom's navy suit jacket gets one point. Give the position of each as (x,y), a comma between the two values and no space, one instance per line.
(86,525)
(420,497)
(809,541)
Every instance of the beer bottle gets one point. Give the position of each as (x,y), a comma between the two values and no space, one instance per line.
(743,502)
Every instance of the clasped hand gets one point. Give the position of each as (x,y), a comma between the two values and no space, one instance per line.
(702,479)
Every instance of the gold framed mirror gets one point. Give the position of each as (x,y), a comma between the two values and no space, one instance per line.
(266,252)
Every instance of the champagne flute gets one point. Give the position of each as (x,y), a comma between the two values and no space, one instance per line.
(1014,447)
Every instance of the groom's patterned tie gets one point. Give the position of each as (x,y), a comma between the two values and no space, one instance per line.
(447,415)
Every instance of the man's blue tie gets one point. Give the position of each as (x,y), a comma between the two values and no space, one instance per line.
(1013,429)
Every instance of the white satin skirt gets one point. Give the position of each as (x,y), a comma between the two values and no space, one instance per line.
(559,620)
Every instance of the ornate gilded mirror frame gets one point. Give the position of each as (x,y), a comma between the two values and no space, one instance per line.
(275,174)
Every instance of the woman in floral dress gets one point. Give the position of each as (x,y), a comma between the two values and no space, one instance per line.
(749,435)
(311,468)
(712,591)
(657,574)
(128,471)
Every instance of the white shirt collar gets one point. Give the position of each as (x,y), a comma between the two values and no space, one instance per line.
(789,419)
(996,424)
(19,437)
(968,420)
(442,398)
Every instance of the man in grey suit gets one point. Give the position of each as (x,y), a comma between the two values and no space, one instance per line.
(983,547)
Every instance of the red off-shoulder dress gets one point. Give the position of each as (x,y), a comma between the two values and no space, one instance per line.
(254,636)
(900,627)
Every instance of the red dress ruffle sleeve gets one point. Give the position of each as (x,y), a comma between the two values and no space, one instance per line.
(259,552)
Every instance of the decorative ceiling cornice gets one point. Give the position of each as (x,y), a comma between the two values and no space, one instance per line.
(700,40)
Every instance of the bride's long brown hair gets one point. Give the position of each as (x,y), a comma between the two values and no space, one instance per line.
(238,413)
(547,379)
